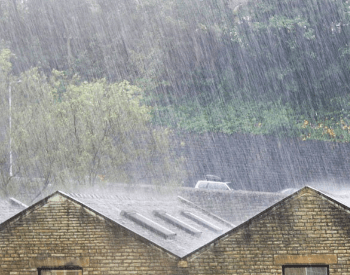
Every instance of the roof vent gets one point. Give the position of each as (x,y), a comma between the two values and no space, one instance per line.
(176,222)
(201,221)
(149,224)
(17,203)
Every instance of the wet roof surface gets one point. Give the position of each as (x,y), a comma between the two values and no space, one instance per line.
(10,207)
(165,219)
(342,196)
(235,206)
(168,221)
(171,222)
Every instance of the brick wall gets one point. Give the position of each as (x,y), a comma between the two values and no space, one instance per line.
(303,229)
(61,233)
(306,229)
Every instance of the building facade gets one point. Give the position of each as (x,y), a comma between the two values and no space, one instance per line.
(306,230)
(305,233)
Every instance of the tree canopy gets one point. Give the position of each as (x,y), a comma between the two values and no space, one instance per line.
(67,131)
(90,77)
(296,51)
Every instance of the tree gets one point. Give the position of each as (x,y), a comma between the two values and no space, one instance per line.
(293,50)
(5,86)
(71,132)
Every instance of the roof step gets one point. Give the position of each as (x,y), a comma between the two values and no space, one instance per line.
(178,223)
(149,224)
(201,221)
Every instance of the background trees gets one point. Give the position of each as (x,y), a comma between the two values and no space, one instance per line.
(180,50)
(202,65)
(70,132)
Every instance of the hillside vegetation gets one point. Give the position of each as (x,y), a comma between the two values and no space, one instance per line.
(95,83)
(266,67)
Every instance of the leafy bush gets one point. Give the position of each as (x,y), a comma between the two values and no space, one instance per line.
(232,117)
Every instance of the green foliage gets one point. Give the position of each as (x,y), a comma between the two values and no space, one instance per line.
(162,45)
(294,50)
(5,63)
(263,68)
(328,125)
(261,118)
(236,116)
(297,46)
(5,87)
(67,132)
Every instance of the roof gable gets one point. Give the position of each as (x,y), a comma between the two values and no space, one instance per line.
(175,227)
(170,222)
(179,247)
(269,212)
(60,196)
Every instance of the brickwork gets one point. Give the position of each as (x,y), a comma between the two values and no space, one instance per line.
(304,229)
(61,232)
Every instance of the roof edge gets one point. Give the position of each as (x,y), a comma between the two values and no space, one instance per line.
(27,210)
(262,214)
(333,200)
(17,202)
(61,193)
(257,217)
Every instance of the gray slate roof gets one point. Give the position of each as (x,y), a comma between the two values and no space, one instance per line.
(123,209)
(234,206)
(10,207)
(143,214)
(342,196)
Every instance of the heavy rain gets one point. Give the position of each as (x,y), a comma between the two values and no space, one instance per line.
(145,132)
(98,92)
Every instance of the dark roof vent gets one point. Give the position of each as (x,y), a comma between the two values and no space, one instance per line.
(201,221)
(178,223)
(149,224)
(17,203)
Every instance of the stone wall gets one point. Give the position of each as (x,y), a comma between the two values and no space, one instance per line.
(263,163)
(303,230)
(62,233)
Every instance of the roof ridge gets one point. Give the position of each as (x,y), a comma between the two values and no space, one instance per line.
(263,213)
(98,196)
(202,248)
(45,200)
